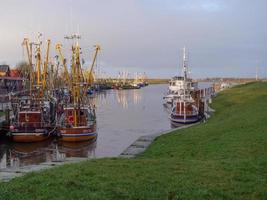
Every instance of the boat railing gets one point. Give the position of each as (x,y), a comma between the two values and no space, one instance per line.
(187,113)
(31,124)
(69,124)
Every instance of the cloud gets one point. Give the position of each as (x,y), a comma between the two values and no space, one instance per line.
(224,37)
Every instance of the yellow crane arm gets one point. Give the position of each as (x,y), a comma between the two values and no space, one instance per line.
(26,44)
(29,54)
(90,74)
(66,72)
(38,65)
(45,73)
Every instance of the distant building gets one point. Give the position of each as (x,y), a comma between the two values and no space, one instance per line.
(10,81)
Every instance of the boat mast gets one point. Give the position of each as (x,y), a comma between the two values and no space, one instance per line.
(76,76)
(45,70)
(185,80)
(63,60)
(185,68)
(90,78)
(28,47)
(38,61)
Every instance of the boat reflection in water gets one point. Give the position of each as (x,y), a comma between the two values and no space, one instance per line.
(77,149)
(122,98)
(126,97)
(23,154)
(137,96)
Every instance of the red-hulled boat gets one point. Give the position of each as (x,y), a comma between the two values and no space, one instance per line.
(184,112)
(33,124)
(34,116)
(77,121)
(82,128)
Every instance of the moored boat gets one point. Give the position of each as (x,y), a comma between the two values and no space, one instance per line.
(185,109)
(77,121)
(29,128)
(34,115)
(178,84)
(84,130)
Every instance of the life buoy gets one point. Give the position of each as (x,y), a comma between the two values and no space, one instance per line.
(71,119)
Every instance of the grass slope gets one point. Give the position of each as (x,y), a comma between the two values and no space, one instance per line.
(225,158)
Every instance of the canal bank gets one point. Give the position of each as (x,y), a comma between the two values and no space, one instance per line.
(223,158)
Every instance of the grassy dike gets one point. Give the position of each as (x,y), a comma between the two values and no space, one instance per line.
(225,158)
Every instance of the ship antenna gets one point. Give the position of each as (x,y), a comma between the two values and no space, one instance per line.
(257,71)
(184,63)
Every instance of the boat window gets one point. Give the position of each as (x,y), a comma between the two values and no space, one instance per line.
(91,116)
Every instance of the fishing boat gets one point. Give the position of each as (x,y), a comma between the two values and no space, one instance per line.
(77,121)
(81,129)
(178,84)
(34,122)
(35,116)
(184,107)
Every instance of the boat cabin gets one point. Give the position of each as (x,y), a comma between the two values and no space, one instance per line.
(84,116)
(185,108)
(30,118)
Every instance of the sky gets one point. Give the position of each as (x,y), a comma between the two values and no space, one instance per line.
(224,38)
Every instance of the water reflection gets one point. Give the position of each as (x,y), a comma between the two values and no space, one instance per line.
(79,149)
(122,98)
(137,96)
(22,154)
(125,97)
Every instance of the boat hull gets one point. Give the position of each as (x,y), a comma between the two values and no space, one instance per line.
(181,119)
(77,134)
(29,137)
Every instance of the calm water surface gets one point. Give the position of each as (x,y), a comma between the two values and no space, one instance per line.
(122,116)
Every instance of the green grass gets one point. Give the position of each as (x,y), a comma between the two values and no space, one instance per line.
(225,158)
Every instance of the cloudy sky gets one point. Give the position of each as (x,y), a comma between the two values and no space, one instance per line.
(224,37)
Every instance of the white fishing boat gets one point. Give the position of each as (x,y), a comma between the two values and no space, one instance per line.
(184,108)
(178,84)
